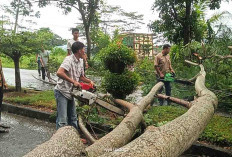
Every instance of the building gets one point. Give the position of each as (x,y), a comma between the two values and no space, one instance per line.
(141,43)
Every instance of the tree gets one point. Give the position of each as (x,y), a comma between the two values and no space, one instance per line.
(16,45)
(87,9)
(181,20)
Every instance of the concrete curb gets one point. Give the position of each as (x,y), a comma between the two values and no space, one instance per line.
(28,112)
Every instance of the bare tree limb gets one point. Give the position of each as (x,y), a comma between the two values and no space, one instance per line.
(84,130)
(184,103)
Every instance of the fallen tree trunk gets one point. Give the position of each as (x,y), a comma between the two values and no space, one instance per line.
(120,136)
(173,138)
(65,142)
(124,132)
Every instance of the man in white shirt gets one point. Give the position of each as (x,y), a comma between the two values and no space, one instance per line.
(75,33)
(70,73)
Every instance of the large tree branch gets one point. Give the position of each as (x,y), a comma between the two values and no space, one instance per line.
(124,132)
(173,138)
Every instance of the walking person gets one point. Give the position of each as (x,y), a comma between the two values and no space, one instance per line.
(44,58)
(39,63)
(69,74)
(163,66)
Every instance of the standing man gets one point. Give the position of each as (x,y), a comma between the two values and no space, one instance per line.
(2,86)
(163,66)
(44,57)
(75,33)
(69,74)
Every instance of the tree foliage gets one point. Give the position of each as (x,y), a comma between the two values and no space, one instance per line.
(182,20)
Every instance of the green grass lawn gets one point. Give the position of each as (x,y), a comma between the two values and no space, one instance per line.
(218,131)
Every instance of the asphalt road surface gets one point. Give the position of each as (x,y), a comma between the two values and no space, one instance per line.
(27,79)
(24,135)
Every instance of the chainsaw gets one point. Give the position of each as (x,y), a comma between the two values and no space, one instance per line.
(170,77)
(89,97)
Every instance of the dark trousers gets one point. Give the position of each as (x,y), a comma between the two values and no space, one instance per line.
(167,85)
(43,72)
(1,97)
(39,67)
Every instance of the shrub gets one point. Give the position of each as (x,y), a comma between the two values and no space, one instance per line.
(117,56)
(120,85)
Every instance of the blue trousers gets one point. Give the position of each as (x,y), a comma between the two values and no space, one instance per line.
(66,111)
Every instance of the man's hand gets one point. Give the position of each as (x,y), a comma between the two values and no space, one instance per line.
(161,75)
(172,71)
(92,83)
(77,84)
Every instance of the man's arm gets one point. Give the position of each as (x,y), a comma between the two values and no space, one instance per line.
(62,73)
(159,72)
(83,78)
(156,61)
(171,67)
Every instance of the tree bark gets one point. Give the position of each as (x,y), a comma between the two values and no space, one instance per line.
(186,25)
(17,75)
(173,138)
(124,132)
(65,142)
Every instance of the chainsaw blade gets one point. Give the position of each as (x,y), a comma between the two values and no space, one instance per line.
(109,107)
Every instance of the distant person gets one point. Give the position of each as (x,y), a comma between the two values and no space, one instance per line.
(163,66)
(39,63)
(2,86)
(75,33)
(44,58)
(70,73)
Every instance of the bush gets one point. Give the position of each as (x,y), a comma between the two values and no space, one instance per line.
(117,56)
(120,85)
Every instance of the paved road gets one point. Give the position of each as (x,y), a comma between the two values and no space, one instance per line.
(27,80)
(24,135)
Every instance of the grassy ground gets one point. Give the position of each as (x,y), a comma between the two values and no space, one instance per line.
(218,131)
(43,100)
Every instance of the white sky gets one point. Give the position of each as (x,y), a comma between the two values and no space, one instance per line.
(60,24)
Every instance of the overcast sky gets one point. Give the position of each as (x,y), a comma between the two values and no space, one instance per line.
(60,24)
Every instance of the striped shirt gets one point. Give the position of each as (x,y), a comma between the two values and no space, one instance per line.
(75,70)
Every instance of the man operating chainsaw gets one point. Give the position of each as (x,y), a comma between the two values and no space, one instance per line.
(164,70)
(69,74)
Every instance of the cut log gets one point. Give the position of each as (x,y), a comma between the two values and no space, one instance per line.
(65,142)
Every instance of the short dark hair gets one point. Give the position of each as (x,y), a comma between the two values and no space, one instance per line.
(74,30)
(77,46)
(166,46)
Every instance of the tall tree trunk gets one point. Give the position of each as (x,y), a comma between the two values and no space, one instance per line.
(88,41)
(16,17)
(187,22)
(17,75)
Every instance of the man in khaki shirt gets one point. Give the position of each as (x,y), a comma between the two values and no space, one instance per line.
(163,65)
